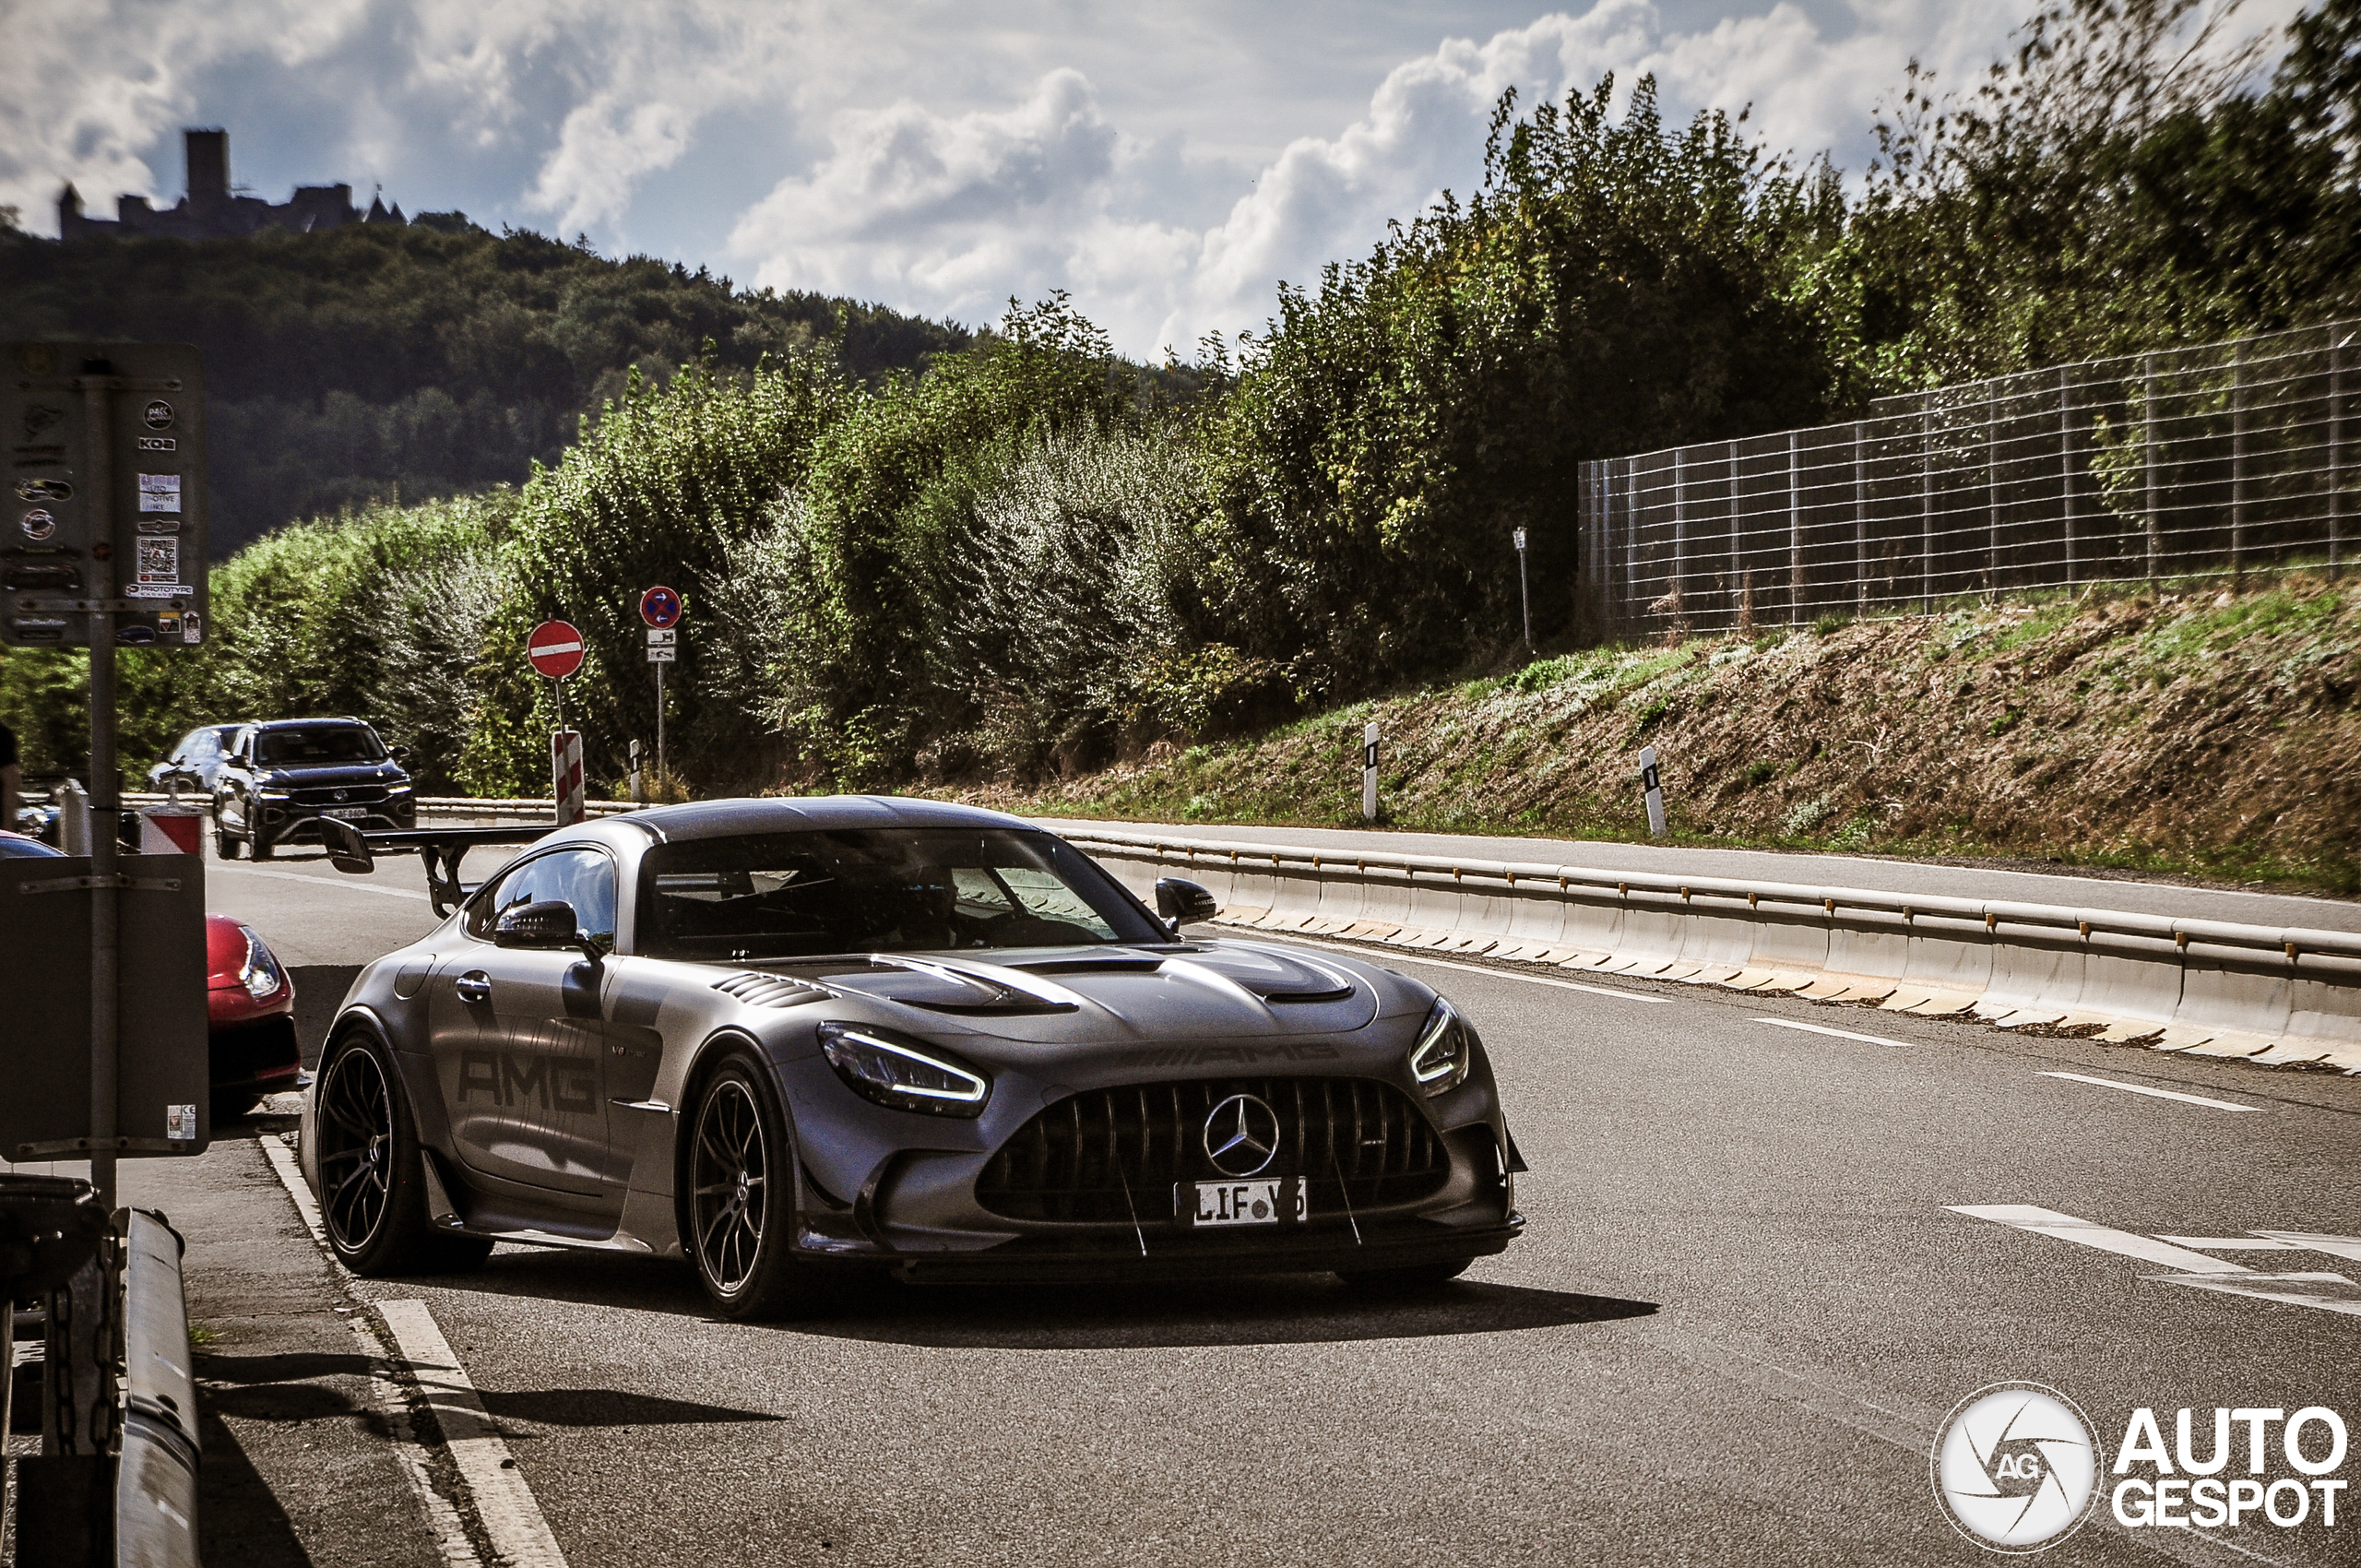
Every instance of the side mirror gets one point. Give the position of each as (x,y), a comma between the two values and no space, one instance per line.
(1182,903)
(549,923)
(399,753)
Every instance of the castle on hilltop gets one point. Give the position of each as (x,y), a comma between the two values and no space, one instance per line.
(211,210)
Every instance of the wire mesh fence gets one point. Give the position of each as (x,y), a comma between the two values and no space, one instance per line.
(2214,461)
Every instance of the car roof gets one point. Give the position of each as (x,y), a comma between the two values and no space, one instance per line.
(309,724)
(725,819)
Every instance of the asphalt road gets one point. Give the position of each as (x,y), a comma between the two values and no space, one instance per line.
(2088,889)
(1744,1303)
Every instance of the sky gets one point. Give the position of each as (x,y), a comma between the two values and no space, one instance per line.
(1166,165)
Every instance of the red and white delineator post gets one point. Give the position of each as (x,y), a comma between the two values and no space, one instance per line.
(172,828)
(566,775)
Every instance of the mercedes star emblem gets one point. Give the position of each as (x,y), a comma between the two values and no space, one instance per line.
(1242,1136)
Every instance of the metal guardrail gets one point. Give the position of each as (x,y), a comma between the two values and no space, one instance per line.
(2278,990)
(116,1477)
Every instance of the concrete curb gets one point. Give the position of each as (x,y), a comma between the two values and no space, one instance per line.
(2280,997)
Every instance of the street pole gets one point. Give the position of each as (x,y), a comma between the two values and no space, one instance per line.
(106,797)
(660,724)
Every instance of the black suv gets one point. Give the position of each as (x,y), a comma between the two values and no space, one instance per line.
(281,777)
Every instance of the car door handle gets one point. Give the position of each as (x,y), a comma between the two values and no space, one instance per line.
(473,986)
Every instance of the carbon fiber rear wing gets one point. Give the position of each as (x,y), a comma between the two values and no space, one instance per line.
(440,848)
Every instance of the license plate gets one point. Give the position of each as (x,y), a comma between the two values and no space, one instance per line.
(351,814)
(1210,1203)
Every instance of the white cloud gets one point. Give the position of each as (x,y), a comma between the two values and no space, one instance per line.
(951,212)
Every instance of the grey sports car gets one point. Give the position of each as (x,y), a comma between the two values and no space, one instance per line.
(790,1038)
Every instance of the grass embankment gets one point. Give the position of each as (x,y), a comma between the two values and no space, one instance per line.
(2202,733)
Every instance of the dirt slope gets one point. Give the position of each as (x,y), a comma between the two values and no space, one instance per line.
(2205,732)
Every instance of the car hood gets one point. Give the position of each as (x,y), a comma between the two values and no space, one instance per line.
(225,952)
(333,773)
(1103,995)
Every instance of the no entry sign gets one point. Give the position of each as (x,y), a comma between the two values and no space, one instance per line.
(660,607)
(554,649)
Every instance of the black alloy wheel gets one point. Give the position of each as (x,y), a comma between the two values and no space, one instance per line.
(373,1187)
(740,1190)
(355,1140)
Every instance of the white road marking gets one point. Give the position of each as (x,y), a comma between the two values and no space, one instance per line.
(1393,956)
(2327,1293)
(520,1537)
(2160,1094)
(340,880)
(496,1490)
(1823,1030)
(291,1176)
(2334,1246)
(392,1404)
(2105,1239)
(2232,1243)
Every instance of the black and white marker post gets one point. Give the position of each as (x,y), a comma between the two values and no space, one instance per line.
(1654,785)
(1368,773)
(1523,591)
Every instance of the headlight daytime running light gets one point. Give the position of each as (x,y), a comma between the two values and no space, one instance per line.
(260,974)
(901,1075)
(1445,1048)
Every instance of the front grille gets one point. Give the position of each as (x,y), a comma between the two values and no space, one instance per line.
(1110,1155)
(353,795)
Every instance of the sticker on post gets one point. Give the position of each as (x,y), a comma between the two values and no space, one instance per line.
(158,415)
(157,444)
(160,562)
(160,493)
(179,1124)
(156,591)
(38,524)
(44,490)
(191,632)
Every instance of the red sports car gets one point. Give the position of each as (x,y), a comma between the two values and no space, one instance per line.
(249,1000)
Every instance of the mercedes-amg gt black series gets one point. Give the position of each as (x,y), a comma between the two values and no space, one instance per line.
(791,1039)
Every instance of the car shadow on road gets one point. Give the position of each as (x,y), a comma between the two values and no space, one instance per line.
(282,1388)
(1297,1309)
(1280,1310)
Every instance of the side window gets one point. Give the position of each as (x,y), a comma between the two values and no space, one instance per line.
(584,878)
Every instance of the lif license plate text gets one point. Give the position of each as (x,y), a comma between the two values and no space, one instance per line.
(1269,1202)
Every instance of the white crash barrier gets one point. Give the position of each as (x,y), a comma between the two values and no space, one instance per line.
(2283,997)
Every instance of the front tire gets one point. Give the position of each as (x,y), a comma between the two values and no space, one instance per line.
(258,845)
(741,1207)
(225,843)
(373,1186)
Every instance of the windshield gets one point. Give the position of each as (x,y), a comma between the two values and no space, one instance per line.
(328,743)
(878,890)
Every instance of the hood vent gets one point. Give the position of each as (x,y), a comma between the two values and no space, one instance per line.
(768,991)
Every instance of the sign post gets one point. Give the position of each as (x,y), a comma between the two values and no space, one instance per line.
(554,650)
(102,543)
(661,609)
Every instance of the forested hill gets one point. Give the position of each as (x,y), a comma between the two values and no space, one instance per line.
(375,360)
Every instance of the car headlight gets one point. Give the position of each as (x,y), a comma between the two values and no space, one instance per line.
(260,974)
(1445,1048)
(895,1073)
(397,790)
(272,792)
